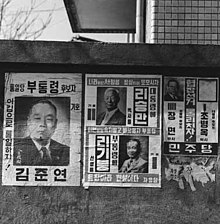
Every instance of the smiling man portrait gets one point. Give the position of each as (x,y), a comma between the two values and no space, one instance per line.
(112,114)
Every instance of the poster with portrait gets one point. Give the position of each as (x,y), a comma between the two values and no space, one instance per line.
(42,129)
(122,131)
(191,128)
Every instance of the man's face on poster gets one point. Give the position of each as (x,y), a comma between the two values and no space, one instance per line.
(111,99)
(132,149)
(172,88)
(42,122)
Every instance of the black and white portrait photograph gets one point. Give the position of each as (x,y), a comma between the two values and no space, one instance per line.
(41,131)
(133,154)
(111,106)
(173,89)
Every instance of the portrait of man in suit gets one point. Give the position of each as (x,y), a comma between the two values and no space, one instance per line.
(135,163)
(38,148)
(112,114)
(173,91)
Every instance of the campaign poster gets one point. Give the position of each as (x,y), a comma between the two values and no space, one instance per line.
(42,129)
(191,128)
(122,131)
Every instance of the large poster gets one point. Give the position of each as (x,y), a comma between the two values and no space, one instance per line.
(191,128)
(42,129)
(122,131)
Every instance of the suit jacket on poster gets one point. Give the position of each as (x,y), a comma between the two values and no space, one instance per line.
(118,118)
(26,153)
(137,166)
(168,97)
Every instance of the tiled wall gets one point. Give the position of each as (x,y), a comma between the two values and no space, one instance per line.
(184,21)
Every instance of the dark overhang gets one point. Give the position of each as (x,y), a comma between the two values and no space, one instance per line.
(101,16)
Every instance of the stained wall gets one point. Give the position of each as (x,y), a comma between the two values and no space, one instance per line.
(168,204)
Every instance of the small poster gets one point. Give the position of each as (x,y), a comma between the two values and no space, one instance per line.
(42,129)
(122,134)
(191,116)
(191,129)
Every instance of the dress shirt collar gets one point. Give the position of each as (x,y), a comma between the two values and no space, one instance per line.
(39,146)
(108,115)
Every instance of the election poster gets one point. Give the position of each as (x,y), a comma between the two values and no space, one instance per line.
(191,129)
(42,129)
(122,130)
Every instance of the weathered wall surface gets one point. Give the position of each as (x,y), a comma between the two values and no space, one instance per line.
(106,205)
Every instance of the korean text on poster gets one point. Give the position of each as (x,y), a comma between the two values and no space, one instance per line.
(122,131)
(42,126)
(191,116)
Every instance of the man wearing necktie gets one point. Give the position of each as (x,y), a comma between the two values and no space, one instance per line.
(112,115)
(172,91)
(135,164)
(39,148)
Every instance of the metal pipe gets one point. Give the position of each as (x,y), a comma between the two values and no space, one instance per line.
(140,28)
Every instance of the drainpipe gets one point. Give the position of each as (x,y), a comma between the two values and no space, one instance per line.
(140,21)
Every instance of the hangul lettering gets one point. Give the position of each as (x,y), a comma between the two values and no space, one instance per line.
(114,82)
(114,162)
(134,131)
(204,132)
(16,88)
(152,114)
(42,86)
(152,98)
(8,152)
(140,118)
(171,115)
(125,130)
(171,130)
(68,88)
(90,177)
(54,85)
(8,134)
(22,87)
(153,90)
(181,114)
(206,149)
(107,82)
(76,106)
(60,175)
(22,174)
(174,148)
(204,123)
(141,94)
(190,99)
(213,114)
(31,86)
(190,148)
(204,115)
(213,124)
(8,141)
(115,154)
(102,166)
(150,180)
(125,82)
(114,130)
(155,180)
(41,174)
(143,82)
(152,106)
(12,87)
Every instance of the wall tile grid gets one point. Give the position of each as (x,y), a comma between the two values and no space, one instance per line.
(186,22)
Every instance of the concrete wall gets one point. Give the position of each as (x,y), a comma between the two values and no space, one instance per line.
(169,204)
